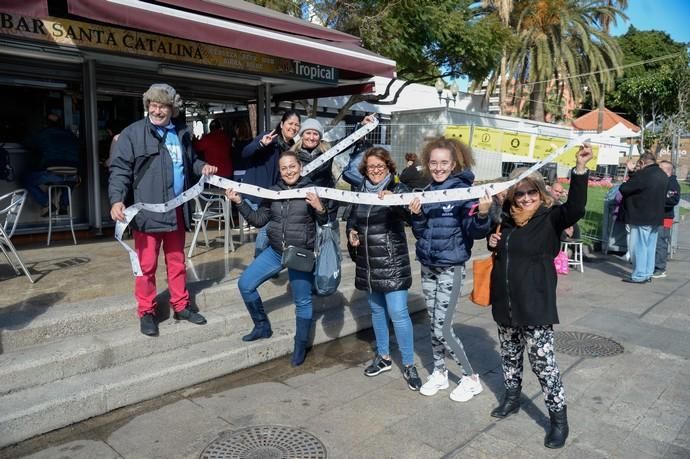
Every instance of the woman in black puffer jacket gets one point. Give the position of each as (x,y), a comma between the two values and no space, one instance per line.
(378,246)
(289,222)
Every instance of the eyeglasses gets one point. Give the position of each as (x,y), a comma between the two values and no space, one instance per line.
(521,194)
(160,107)
(443,165)
(377,167)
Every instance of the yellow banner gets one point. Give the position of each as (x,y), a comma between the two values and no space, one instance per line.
(516,143)
(544,146)
(95,36)
(487,138)
(462,133)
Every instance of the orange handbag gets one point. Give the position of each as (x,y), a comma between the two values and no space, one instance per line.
(481,272)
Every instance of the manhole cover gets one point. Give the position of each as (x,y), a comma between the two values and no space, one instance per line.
(266,442)
(586,344)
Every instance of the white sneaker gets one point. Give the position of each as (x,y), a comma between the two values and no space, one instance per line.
(467,388)
(434,382)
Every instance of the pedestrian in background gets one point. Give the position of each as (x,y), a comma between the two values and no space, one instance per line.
(523,289)
(644,198)
(664,232)
(378,246)
(445,233)
(154,160)
(412,175)
(216,149)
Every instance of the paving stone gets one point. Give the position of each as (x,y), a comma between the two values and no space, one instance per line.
(78,449)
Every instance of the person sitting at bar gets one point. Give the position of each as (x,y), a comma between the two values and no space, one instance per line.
(54,146)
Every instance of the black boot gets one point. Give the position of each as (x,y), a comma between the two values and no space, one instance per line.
(509,405)
(559,430)
(301,341)
(262,327)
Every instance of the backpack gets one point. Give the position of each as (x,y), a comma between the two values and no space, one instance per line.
(6,170)
(327,272)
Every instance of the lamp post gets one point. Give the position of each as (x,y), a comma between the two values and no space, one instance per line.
(453,91)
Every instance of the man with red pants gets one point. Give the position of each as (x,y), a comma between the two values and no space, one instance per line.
(154,159)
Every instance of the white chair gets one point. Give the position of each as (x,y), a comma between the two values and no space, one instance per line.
(576,259)
(11,205)
(212,206)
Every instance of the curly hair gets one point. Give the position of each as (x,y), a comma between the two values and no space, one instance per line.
(461,153)
(163,94)
(380,153)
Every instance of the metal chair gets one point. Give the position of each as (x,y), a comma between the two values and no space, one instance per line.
(212,206)
(70,180)
(576,259)
(11,205)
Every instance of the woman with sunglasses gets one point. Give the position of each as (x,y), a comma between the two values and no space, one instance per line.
(378,246)
(445,233)
(523,288)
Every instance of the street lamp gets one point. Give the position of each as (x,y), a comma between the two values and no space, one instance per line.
(441,86)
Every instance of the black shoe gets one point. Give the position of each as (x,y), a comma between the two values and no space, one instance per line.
(148,325)
(378,366)
(190,316)
(412,378)
(509,405)
(45,211)
(63,211)
(558,431)
(631,281)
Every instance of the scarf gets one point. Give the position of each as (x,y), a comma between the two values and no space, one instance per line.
(371,188)
(521,216)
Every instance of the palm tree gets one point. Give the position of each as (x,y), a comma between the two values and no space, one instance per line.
(561,44)
(504,9)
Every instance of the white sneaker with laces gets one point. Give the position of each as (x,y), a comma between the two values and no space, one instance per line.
(434,382)
(467,388)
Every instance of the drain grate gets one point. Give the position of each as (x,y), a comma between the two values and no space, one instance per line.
(585,344)
(265,442)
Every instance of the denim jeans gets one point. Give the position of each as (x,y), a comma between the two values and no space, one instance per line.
(34,180)
(261,241)
(643,241)
(393,305)
(267,265)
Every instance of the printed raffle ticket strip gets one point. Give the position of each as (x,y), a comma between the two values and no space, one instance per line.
(428,197)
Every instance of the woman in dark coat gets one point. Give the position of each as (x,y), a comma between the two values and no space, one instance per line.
(289,222)
(523,288)
(378,246)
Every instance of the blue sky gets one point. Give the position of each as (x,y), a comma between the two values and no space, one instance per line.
(670,16)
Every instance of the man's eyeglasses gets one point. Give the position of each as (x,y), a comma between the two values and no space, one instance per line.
(521,194)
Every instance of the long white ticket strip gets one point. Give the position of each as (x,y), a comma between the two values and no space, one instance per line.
(426,197)
(341,146)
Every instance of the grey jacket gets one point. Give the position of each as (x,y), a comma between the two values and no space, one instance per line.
(141,171)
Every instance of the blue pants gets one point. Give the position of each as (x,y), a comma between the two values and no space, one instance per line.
(643,241)
(393,305)
(267,265)
(34,180)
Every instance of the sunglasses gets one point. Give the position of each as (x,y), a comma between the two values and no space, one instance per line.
(531,193)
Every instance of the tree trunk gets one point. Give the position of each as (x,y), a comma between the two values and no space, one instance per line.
(600,114)
(536,103)
(504,84)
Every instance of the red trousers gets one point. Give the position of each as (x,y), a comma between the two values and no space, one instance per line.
(147,246)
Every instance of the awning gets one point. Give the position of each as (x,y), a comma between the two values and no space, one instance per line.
(35,8)
(204,25)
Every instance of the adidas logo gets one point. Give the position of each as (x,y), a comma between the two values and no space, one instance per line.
(447,208)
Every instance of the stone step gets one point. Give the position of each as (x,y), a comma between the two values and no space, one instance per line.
(40,409)
(70,356)
(37,326)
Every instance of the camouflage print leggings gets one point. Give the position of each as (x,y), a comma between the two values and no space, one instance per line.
(539,343)
(441,288)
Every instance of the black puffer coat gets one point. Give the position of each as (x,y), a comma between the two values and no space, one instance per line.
(382,259)
(290,221)
(523,280)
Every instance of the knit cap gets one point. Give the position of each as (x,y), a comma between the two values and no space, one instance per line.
(311,124)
